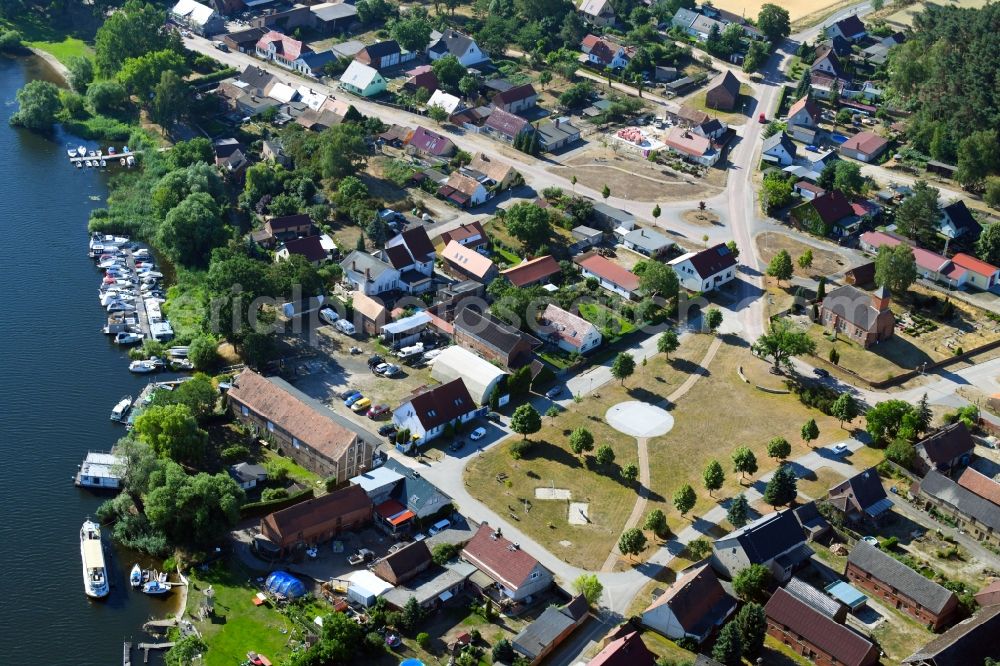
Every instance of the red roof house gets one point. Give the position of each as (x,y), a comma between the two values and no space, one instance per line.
(532,272)
(515,572)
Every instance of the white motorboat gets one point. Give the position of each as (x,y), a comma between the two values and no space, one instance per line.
(135,576)
(99,152)
(71,152)
(145,367)
(130,161)
(81,151)
(104,163)
(127,338)
(120,411)
(156,588)
(89,163)
(140,253)
(121,161)
(79,165)
(95,575)
(119,306)
(178,352)
(90,153)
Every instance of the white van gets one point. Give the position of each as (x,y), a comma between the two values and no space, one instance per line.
(329,315)
(439,526)
(345,327)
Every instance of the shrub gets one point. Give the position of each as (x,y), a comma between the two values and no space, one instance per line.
(271,494)
(423,639)
(519,448)
(234,454)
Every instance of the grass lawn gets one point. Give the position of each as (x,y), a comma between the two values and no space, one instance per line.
(65,50)
(716,416)
(609,323)
(238,625)
(44,32)
(550,463)
(777,654)
(735,117)
(295,471)
(819,483)
(900,636)
(888,358)
(186,307)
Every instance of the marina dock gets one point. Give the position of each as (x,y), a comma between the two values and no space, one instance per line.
(127,656)
(146,647)
(112,160)
(140,302)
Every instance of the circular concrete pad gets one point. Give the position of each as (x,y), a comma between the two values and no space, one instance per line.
(639,419)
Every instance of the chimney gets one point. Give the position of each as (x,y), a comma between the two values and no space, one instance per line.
(368,274)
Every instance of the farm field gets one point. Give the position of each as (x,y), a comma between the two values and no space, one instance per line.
(904,17)
(797,9)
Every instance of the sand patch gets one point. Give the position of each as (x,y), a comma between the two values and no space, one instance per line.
(552,494)
(579,513)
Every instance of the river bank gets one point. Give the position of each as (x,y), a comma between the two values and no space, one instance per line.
(53,62)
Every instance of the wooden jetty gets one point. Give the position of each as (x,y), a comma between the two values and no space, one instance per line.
(146,647)
(140,301)
(127,656)
(112,160)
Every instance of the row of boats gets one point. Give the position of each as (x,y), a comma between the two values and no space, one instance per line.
(82,157)
(95,571)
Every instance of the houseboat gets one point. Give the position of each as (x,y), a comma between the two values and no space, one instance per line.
(100,471)
(120,411)
(95,575)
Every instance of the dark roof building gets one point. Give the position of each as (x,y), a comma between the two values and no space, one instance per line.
(969,642)
(949,447)
(426,414)
(724,94)
(957,221)
(551,628)
(693,607)
(890,581)
(812,521)
(625,650)
(978,516)
(775,540)
(812,633)
(861,497)
(404,564)
(309,247)
(493,339)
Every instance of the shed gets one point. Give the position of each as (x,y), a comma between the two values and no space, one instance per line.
(847,594)
(365,587)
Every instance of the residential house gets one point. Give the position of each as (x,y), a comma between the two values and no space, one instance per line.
(248,475)
(586,238)
(458,44)
(613,219)
(648,242)
(948,448)
(412,254)
(816,599)
(980,484)
(313,63)
(861,498)
(310,248)
(683,18)
(405,564)
(550,629)
(368,274)
(230,157)
(624,648)
(598,12)
(271,150)
(774,540)
(556,134)
(878,53)
(479,376)
(871,241)
(291,53)
(807,190)
(957,222)
(932,266)
(465,262)
(610,275)
(425,415)
(826,64)
(243,41)
(691,146)
(803,120)
(370,314)
(864,146)
(824,213)
(421,77)
(401,497)
(863,317)
(317,121)
(812,521)
(975,515)
(198,18)
(286,227)
(531,272)
(517,99)
(517,574)
(898,586)
(976,273)
(425,142)
(492,339)
(815,636)
(568,331)
(605,53)
(778,148)
(304,429)
(969,642)
(505,126)
(850,28)
(712,129)
(469,234)
(317,520)
(706,270)
(362,80)
(463,191)
(702,26)
(724,93)
(333,17)
(501,173)
(382,55)
(446,101)
(694,607)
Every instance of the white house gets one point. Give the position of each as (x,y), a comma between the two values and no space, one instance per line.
(426,415)
(570,332)
(460,45)
(412,254)
(609,275)
(198,17)
(369,275)
(705,270)
(778,148)
(693,607)
(464,190)
(850,28)
(450,103)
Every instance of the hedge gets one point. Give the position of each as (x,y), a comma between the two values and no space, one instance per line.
(258,509)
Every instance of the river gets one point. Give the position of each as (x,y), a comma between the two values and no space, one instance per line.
(59,378)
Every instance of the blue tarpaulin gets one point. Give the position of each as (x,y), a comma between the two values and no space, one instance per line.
(284,583)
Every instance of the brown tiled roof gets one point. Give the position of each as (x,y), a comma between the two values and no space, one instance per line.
(629,650)
(465,231)
(402,564)
(301,517)
(309,247)
(865,142)
(529,272)
(969,642)
(980,484)
(442,404)
(835,639)
(515,94)
(832,206)
(465,184)
(695,598)
(496,169)
(499,558)
(807,104)
(608,270)
(946,444)
(313,428)
(286,222)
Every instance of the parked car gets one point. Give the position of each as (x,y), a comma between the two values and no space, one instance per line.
(477,434)
(353,398)
(329,315)
(821,372)
(456,446)
(386,369)
(762,119)
(554,392)
(361,405)
(387,429)
(840,449)
(363,555)
(378,411)
(347,393)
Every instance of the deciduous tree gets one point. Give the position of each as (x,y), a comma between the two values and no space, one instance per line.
(192,229)
(918,215)
(779,448)
(774,22)
(685,499)
(744,461)
(810,431)
(751,583)
(630,473)
(885,420)
(783,341)
(780,267)
(589,586)
(528,223)
(844,408)
(172,431)
(81,73)
(713,476)
(656,522)
(525,420)
(580,441)
(895,268)
(605,455)
(632,542)
(659,279)
(38,103)
(623,367)
(668,342)
(713,319)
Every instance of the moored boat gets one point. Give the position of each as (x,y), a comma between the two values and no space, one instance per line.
(145,367)
(95,575)
(155,587)
(120,411)
(135,577)
(127,338)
